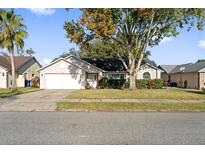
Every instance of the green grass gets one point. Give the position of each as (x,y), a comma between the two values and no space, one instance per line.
(137,94)
(131,106)
(7,92)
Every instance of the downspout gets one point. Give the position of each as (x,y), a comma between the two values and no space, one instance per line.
(199,81)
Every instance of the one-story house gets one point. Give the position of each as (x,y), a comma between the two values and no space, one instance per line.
(72,72)
(190,75)
(25,68)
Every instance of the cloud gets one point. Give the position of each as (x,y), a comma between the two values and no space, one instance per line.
(42,11)
(46,61)
(201,44)
(166,39)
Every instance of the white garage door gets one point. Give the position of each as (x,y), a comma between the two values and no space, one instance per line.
(63,81)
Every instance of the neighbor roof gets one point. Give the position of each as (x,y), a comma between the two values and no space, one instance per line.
(167,68)
(189,67)
(19,61)
(196,67)
(180,68)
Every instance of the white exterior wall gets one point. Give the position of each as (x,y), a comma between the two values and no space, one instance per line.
(28,69)
(62,67)
(159,74)
(83,65)
(21,81)
(155,73)
(3,79)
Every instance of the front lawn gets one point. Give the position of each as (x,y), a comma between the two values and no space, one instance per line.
(130,106)
(170,93)
(7,92)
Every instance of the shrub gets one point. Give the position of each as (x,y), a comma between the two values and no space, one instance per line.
(142,83)
(103,82)
(116,83)
(147,83)
(35,82)
(112,83)
(158,83)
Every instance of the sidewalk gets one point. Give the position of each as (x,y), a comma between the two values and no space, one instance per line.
(132,100)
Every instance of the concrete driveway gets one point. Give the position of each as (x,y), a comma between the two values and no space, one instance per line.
(43,100)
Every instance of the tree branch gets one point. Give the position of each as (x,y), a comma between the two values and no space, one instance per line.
(145,43)
(122,60)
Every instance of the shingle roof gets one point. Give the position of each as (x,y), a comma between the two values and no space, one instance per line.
(112,64)
(180,68)
(196,67)
(167,68)
(18,61)
(189,67)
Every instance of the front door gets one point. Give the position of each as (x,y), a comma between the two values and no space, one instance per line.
(92,79)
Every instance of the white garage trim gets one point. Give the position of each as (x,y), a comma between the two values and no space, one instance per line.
(63,81)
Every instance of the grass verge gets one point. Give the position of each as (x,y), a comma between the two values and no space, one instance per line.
(7,92)
(131,106)
(137,94)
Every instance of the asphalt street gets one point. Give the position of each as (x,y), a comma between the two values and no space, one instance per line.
(102,128)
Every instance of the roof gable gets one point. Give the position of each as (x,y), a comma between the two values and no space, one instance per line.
(167,68)
(84,63)
(66,59)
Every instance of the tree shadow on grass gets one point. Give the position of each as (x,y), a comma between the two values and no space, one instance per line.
(195,92)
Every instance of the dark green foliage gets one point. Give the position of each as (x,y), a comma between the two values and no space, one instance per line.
(142,83)
(116,83)
(112,83)
(200,60)
(103,82)
(150,84)
(158,83)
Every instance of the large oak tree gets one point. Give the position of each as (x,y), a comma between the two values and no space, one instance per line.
(133,29)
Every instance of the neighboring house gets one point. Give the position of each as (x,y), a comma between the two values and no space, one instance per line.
(166,70)
(25,68)
(191,75)
(74,73)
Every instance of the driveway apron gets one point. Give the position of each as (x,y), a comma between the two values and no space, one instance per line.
(43,100)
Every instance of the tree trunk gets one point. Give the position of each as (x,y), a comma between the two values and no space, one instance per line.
(132,83)
(132,79)
(13,73)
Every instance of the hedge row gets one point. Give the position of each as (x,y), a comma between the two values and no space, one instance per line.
(112,83)
(149,84)
(140,83)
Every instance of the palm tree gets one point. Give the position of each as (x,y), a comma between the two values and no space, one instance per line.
(27,52)
(30,52)
(12,35)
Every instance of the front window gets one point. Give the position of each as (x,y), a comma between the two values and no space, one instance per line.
(146,75)
(115,76)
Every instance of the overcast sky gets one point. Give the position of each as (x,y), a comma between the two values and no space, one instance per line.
(47,38)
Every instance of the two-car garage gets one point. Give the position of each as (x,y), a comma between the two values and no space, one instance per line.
(62,81)
(68,73)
